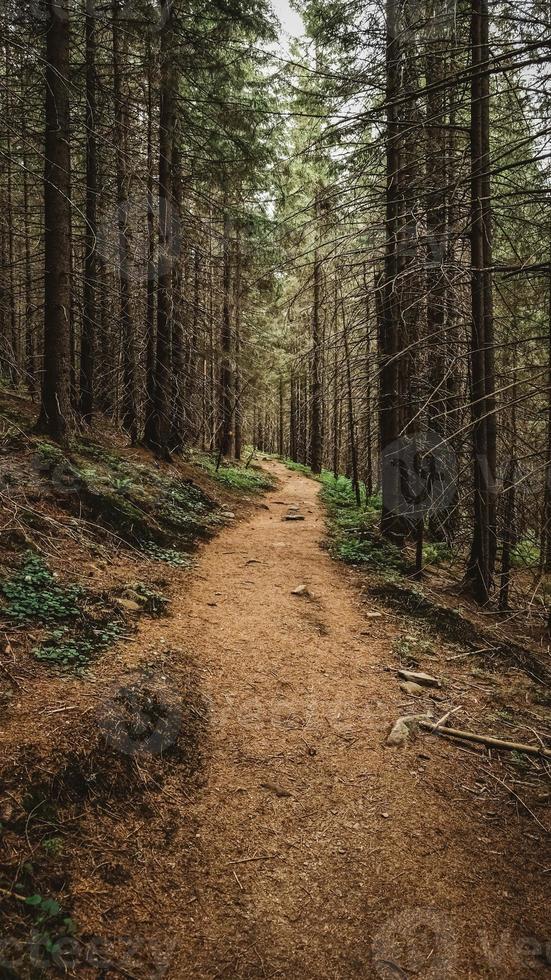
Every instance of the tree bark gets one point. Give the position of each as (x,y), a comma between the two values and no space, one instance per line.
(55,413)
(480,568)
(160,426)
(89,312)
(129,396)
(389,401)
(226,394)
(316,391)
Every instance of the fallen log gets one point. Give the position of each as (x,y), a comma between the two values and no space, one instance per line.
(497,743)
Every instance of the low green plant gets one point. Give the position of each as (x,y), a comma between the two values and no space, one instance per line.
(435,552)
(61,649)
(52,846)
(354,535)
(168,555)
(373,552)
(526,553)
(33,593)
(153,602)
(50,924)
(241,479)
(298,467)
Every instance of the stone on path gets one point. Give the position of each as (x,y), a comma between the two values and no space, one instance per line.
(409,687)
(419,678)
(403,728)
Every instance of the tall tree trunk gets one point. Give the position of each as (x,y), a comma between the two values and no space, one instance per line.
(30,335)
(281,430)
(179,365)
(89,313)
(226,394)
(129,397)
(350,406)
(368,438)
(293,418)
(389,400)
(55,412)
(238,421)
(150,334)
(316,392)
(160,426)
(480,568)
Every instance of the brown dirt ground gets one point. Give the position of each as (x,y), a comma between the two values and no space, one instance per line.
(284,838)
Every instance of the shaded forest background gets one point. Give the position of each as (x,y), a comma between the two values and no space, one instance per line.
(340,253)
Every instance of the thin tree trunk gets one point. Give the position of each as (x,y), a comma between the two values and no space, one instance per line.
(89,314)
(162,407)
(238,409)
(389,404)
(55,413)
(129,407)
(350,404)
(226,399)
(316,392)
(150,333)
(479,572)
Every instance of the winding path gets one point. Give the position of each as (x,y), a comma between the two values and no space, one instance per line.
(315,851)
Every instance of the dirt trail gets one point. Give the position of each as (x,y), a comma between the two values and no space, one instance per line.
(312,850)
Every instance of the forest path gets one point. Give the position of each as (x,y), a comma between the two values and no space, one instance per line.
(316,851)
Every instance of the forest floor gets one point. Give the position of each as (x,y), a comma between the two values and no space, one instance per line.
(285,839)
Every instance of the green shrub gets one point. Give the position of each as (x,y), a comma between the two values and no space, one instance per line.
(525,553)
(298,467)
(63,650)
(435,552)
(354,533)
(33,593)
(237,478)
(169,555)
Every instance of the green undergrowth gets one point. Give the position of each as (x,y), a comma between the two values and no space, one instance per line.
(354,531)
(298,467)
(32,592)
(77,624)
(238,477)
(148,506)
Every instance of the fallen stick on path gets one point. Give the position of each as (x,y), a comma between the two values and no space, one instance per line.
(497,743)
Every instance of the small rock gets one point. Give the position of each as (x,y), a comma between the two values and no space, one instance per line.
(419,678)
(373,615)
(300,590)
(293,517)
(398,735)
(228,515)
(129,605)
(409,687)
(403,728)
